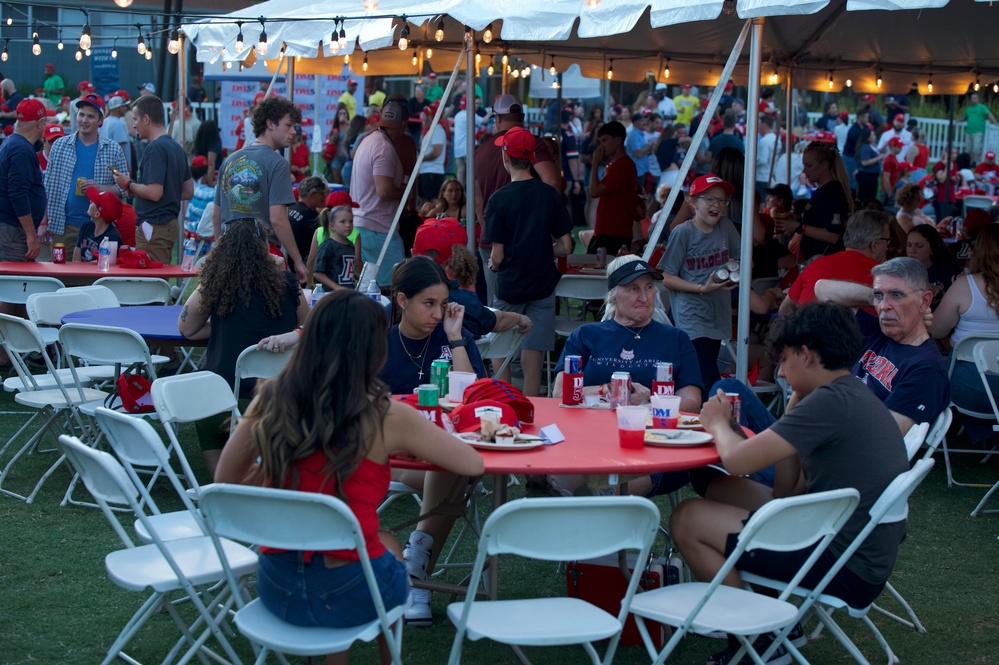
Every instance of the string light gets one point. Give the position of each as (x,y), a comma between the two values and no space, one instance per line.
(487,36)
(490,70)
(174,45)
(525,72)
(879,77)
(978,84)
(404,35)
(416,58)
(78,55)
(6,52)
(346,59)
(342,39)
(85,37)
(36,48)
(610,70)
(929,84)
(515,73)
(830,80)
(478,57)
(262,43)
(123,3)
(666,70)
(364,65)
(141,45)
(87,53)
(239,37)
(149,53)
(506,57)
(849,83)
(334,44)
(10,16)
(439,34)
(114,49)
(428,53)
(60,45)
(552,70)
(995,87)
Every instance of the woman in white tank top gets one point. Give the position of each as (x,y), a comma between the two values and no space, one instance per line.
(970,308)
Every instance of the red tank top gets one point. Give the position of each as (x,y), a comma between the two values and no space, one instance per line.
(364,491)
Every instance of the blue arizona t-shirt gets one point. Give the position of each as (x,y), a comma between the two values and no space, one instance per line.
(609,347)
(401,372)
(910,380)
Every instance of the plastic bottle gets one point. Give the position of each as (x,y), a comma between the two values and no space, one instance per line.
(317,293)
(373,291)
(104,256)
(190,249)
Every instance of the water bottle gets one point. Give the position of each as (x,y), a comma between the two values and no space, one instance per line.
(190,249)
(373,291)
(317,293)
(104,256)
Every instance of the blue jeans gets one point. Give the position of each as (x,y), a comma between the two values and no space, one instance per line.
(371,247)
(754,415)
(851,170)
(310,594)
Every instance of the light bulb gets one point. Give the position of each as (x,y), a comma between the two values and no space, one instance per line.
(370,5)
(228,65)
(174,45)
(78,55)
(929,86)
(60,45)
(87,53)
(123,3)
(478,57)
(334,47)
(10,17)
(429,53)
(239,39)
(364,65)
(416,58)
(346,59)
(592,4)
(552,70)
(36,48)
(404,35)
(506,58)
(666,71)
(487,36)
(141,47)
(490,70)
(6,54)
(610,71)
(995,87)
(525,72)
(439,33)
(977,86)
(85,37)
(342,39)
(849,83)
(879,78)
(114,52)
(149,54)
(515,73)
(262,44)
(830,81)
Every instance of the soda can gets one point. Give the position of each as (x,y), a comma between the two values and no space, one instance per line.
(734,277)
(736,402)
(664,371)
(721,275)
(573,364)
(58,253)
(620,389)
(426,395)
(733,266)
(438,374)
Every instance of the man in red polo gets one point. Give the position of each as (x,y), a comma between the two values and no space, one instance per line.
(617,190)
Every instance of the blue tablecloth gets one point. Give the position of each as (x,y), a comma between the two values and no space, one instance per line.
(154,322)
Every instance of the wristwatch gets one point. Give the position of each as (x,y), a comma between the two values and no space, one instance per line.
(456,343)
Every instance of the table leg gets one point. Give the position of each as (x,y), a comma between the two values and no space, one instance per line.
(499,498)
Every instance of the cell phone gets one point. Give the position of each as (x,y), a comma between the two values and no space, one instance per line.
(112,169)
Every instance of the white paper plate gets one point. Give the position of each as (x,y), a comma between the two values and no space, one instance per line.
(681,438)
(689,422)
(526,443)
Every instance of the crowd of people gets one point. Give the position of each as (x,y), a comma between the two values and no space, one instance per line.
(860,228)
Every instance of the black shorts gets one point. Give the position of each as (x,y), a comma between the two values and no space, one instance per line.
(783,566)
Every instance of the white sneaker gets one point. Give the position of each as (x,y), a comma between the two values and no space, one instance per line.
(416,554)
(419,613)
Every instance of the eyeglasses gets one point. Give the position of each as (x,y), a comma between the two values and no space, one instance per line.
(891,296)
(714,200)
(881,239)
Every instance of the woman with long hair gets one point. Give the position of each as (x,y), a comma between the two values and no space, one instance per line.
(338,138)
(924,244)
(450,201)
(355,132)
(971,307)
(824,218)
(327,424)
(208,143)
(243,295)
(594,117)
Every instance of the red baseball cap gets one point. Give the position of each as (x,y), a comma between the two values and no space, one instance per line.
(706,182)
(92,99)
(351,82)
(990,155)
(500,391)
(49,67)
(465,419)
(729,86)
(905,166)
(199,161)
(685,86)
(63,100)
(895,142)
(340,197)
(85,86)
(122,94)
(107,204)
(868,98)
(30,110)
(432,75)
(518,143)
(52,132)
(439,236)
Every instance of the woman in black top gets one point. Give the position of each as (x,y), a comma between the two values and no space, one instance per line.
(824,218)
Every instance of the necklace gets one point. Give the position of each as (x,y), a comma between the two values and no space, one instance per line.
(416,360)
(636,333)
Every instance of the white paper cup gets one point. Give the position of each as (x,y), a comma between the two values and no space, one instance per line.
(457,382)
(665,411)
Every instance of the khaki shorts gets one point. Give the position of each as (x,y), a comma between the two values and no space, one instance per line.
(159,247)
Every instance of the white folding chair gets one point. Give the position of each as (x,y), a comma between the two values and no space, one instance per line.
(189,566)
(914,439)
(974,201)
(137,290)
(987,361)
(185,398)
(60,401)
(555,529)
(321,522)
(503,345)
(254,363)
(892,506)
(102,295)
(140,450)
(965,350)
(46,310)
(15,289)
(782,525)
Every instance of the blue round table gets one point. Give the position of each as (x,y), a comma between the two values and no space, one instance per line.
(151,322)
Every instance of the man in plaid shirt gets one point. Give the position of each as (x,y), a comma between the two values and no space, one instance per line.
(76,162)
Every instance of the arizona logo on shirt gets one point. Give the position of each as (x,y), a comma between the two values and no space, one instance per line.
(445,353)
(879,367)
(627,355)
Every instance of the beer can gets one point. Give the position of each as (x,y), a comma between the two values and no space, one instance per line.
(58,253)
(79,186)
(722,275)
(736,402)
(620,389)
(573,364)
(438,374)
(426,395)
(664,371)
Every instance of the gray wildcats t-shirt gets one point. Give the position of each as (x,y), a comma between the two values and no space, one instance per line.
(252,180)
(846,437)
(693,255)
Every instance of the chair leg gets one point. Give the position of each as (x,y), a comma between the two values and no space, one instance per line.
(913,623)
(892,658)
(27,447)
(978,509)
(826,618)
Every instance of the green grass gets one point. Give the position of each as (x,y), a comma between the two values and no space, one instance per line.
(58,606)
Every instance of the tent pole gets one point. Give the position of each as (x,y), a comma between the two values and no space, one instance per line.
(470,137)
(181,106)
(749,199)
(789,124)
(702,129)
(369,271)
(290,85)
(317,130)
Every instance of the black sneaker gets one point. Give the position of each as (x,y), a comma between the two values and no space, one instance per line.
(797,636)
(779,657)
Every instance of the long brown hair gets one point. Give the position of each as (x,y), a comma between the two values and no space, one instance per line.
(329,396)
(985,262)
(828,153)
